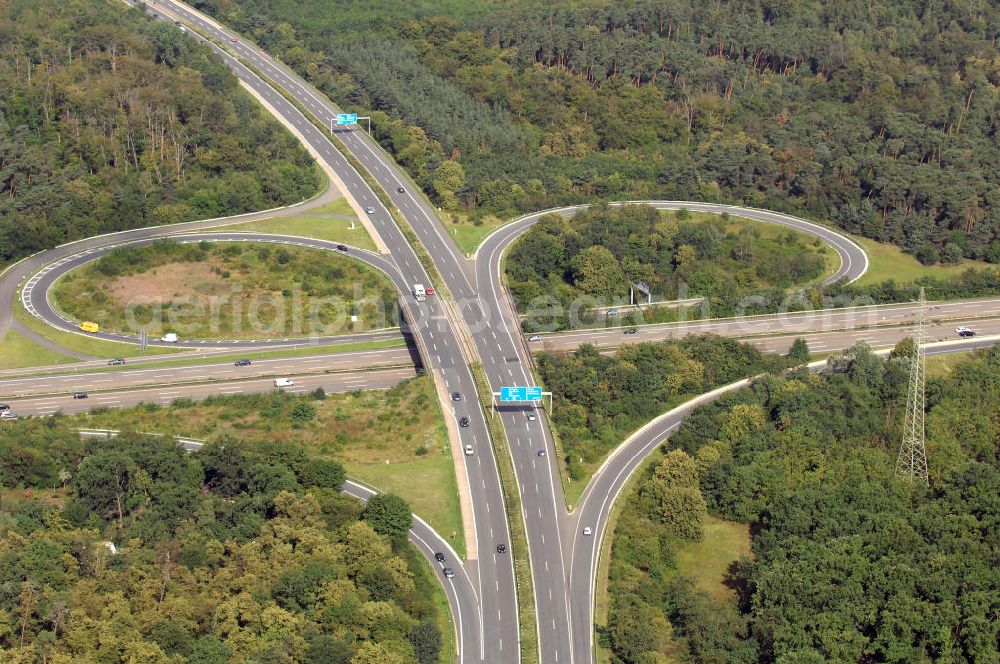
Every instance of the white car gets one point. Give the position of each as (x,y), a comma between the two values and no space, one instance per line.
(8,415)
(283,382)
(588,531)
(531,416)
(169,338)
(468,450)
(370,210)
(535,337)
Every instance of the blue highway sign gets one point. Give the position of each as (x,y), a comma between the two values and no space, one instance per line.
(520,394)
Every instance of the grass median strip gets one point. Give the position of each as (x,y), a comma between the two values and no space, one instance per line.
(196,357)
(515,520)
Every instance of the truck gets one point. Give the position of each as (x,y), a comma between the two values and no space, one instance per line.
(419,292)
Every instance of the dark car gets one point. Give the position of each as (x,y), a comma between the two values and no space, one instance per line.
(448,572)
(4,407)
(965,331)
(541,453)
(79,395)
(400,190)
(439,557)
(464,422)
(456,396)
(342,247)
(631,330)
(501,548)
(117,362)
(242,363)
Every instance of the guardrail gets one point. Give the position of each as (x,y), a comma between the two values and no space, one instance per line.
(189,444)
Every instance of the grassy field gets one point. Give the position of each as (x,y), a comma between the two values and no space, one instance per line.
(393,440)
(887,261)
(939,366)
(19,352)
(330,222)
(707,562)
(228,290)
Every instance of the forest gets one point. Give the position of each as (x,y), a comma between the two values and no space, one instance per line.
(605,398)
(877,115)
(134,550)
(110,120)
(601,252)
(850,562)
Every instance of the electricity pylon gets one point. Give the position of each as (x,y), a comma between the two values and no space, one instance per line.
(912,461)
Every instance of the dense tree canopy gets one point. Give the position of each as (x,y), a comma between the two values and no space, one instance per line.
(878,115)
(133,550)
(600,253)
(110,120)
(604,398)
(851,563)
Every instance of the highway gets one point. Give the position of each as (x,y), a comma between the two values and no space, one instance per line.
(491,630)
(122,378)
(974,312)
(480,324)
(109,395)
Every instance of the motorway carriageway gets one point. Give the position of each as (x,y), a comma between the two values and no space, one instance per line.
(210,373)
(864,318)
(164,396)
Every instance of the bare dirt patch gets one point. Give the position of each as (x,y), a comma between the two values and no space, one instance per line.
(197,281)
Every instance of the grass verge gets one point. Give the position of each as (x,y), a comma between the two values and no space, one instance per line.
(18,352)
(361,430)
(601,597)
(518,537)
(886,261)
(330,222)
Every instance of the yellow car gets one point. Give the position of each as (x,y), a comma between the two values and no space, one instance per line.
(89,327)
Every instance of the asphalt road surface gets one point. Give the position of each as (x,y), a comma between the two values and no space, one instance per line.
(860,318)
(125,377)
(108,396)
(562,568)
(491,627)
(505,360)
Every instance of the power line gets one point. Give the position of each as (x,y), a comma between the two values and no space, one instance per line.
(912,461)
